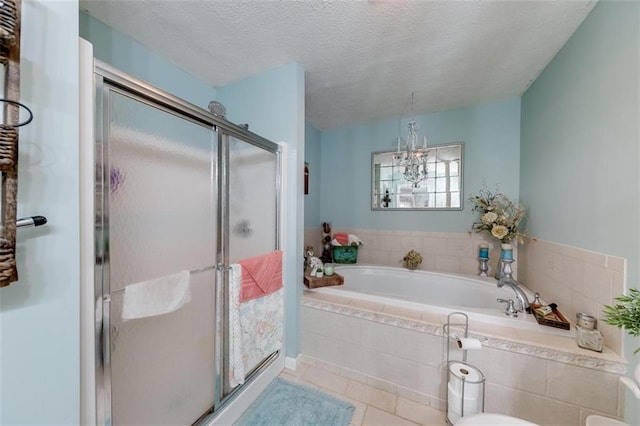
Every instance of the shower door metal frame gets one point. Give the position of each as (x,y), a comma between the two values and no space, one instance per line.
(106,79)
(223,250)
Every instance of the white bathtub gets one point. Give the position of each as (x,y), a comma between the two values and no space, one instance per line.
(440,293)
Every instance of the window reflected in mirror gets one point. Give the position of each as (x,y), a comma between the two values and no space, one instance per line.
(441,189)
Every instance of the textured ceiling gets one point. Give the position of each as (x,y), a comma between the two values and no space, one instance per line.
(362,58)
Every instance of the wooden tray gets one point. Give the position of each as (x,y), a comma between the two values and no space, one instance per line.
(554,319)
(325,281)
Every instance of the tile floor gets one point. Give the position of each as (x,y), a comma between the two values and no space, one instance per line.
(373,406)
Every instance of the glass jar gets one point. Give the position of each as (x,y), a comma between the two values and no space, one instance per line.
(328,269)
(585,320)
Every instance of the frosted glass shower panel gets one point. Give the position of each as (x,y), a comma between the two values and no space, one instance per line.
(252,200)
(162,218)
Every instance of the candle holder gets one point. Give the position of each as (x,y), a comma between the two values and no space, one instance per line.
(507,271)
(506,254)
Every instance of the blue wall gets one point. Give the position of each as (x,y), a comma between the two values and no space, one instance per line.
(312,155)
(39,314)
(491,136)
(580,144)
(268,102)
(131,57)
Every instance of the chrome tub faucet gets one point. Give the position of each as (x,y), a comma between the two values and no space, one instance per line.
(506,278)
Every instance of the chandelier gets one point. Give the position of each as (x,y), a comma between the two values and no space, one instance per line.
(412,157)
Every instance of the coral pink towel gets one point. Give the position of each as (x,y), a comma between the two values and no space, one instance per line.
(342,238)
(261,275)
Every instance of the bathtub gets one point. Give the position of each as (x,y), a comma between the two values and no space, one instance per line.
(397,344)
(438,293)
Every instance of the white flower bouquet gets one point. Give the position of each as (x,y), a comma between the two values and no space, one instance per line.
(499,216)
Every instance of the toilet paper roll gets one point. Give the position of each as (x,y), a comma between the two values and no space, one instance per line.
(469,344)
(472,379)
(472,405)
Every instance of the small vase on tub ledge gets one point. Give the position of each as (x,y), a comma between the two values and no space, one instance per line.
(501,218)
(412,260)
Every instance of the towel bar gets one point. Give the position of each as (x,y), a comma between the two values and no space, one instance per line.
(193,271)
(31,221)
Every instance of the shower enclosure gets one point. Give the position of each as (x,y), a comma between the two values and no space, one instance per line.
(177,189)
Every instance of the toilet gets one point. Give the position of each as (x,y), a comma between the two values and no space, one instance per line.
(490,419)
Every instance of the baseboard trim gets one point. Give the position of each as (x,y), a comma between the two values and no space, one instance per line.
(291,363)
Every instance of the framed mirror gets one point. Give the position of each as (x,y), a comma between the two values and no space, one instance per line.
(441,189)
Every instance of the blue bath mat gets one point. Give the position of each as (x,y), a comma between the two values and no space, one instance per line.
(288,404)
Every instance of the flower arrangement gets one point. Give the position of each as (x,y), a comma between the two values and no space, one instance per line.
(625,314)
(412,260)
(499,216)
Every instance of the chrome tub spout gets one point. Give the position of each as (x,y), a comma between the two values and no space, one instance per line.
(506,278)
(523,303)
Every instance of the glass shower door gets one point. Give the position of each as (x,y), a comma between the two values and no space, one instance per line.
(250,218)
(162,219)
(252,200)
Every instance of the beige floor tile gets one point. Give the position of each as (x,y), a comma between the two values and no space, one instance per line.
(419,413)
(383,385)
(307,360)
(373,417)
(371,396)
(298,380)
(360,407)
(330,367)
(353,375)
(298,372)
(290,378)
(325,379)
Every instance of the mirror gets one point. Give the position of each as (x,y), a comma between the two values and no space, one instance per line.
(440,190)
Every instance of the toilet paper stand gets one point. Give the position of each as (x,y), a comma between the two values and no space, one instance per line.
(465,390)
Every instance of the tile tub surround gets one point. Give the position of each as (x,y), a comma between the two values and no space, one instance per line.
(455,252)
(542,378)
(313,237)
(577,280)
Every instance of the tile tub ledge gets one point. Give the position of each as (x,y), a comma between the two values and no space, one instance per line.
(541,345)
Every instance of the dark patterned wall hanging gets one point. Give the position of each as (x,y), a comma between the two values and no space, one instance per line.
(10,58)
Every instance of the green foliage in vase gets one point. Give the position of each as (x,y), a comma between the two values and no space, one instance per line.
(625,314)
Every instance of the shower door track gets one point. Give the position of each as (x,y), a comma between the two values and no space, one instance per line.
(108,77)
